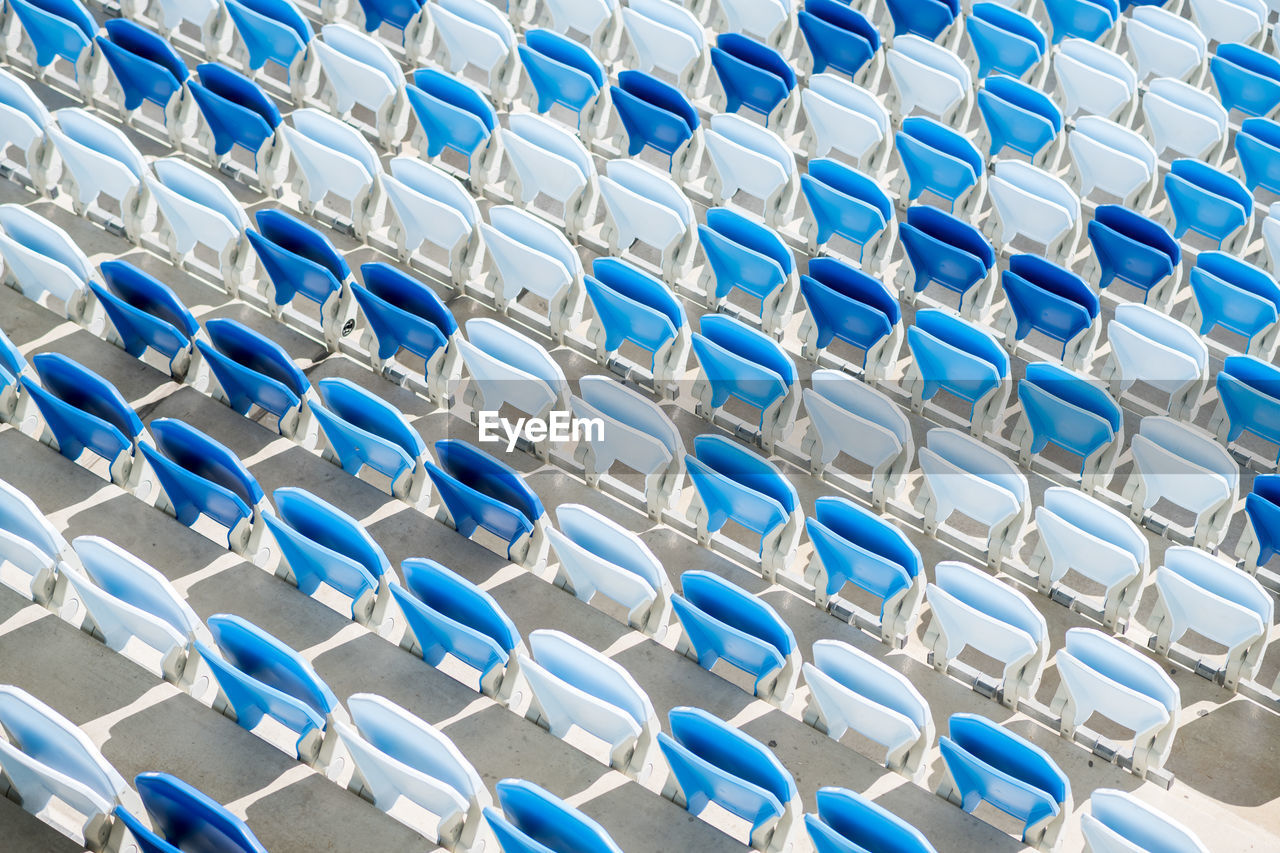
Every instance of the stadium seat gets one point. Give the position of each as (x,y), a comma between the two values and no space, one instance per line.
(32,547)
(928,78)
(952,354)
(361,430)
(1082,19)
(146,68)
(545,158)
(249,369)
(752,75)
(41,261)
(1258,543)
(845,118)
(666,38)
(271,31)
(1114,159)
(754,161)
(1228,21)
(1184,120)
(943,248)
(534,820)
(330,159)
(1021,118)
(1211,203)
(25,125)
(1053,301)
(744,255)
(942,161)
(1068,410)
(1248,401)
(642,205)
(740,362)
(1118,821)
(564,72)
(847,822)
(196,209)
(1237,296)
(1152,347)
(185,818)
(428,208)
(847,203)
(1034,205)
(452,114)
(1257,147)
(839,37)
(476,34)
(523,253)
(12,367)
(360,71)
(927,19)
(145,314)
(656,115)
(1004,40)
(235,112)
(1136,250)
(633,307)
(1247,79)
(1165,44)
(845,303)
(53,29)
(1094,81)
(99,160)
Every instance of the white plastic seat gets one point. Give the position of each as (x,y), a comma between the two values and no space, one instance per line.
(1119,822)
(1034,204)
(1094,80)
(849,416)
(666,37)
(525,253)
(961,474)
(360,71)
(331,157)
(762,20)
(1271,237)
(40,259)
(592,18)
(1112,158)
(1164,44)
(33,551)
(99,160)
(642,204)
(972,609)
(1199,592)
(1229,21)
(1150,346)
(474,32)
(841,116)
(851,690)
(198,209)
(929,78)
(548,159)
(1185,120)
(24,120)
(1187,466)
(426,205)
(751,159)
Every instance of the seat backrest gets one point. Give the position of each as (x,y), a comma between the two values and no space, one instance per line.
(490,476)
(735,462)
(263,657)
(1098,519)
(978,459)
(20,516)
(1008,753)
(191,820)
(1195,446)
(612,542)
(206,458)
(626,406)
(52,740)
(123,576)
(330,527)
(863,400)
(453,596)
(1118,662)
(847,822)
(81,388)
(736,608)
(988,595)
(535,820)
(1119,820)
(868,531)
(867,676)
(728,749)
(590,671)
(1221,579)
(964,336)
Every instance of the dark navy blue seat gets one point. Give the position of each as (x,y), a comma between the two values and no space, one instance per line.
(753,75)
(185,819)
(145,65)
(949,251)
(1052,300)
(1137,250)
(653,114)
(253,370)
(846,303)
(838,36)
(146,314)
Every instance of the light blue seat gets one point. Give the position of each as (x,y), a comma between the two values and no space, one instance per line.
(1111,159)
(83,412)
(251,370)
(1237,296)
(711,761)
(43,261)
(45,757)
(1069,411)
(850,689)
(634,307)
(1095,81)
(146,314)
(1020,117)
(196,208)
(952,354)
(754,163)
(56,28)
(847,822)
(24,120)
(575,685)
(721,621)
(944,249)
(428,207)
(742,254)
(361,430)
(524,252)
(839,37)
(144,64)
(848,203)
(473,34)
(360,71)
(740,362)
(330,160)
(271,30)
(1084,19)
(236,112)
(1209,202)
(752,74)
(478,490)
(667,38)
(929,78)
(398,756)
(987,762)
(200,476)
(845,303)
(1248,80)
(12,367)
(1183,120)
(563,72)
(258,676)
(533,820)
(452,114)
(300,261)
(927,19)
(1249,400)
(1180,462)
(321,544)
(185,819)
(598,20)
(405,314)
(31,545)
(1049,299)
(448,615)
(643,206)
(99,162)
(1118,821)
(941,161)
(854,545)
(1260,541)
(843,117)
(1163,43)
(1149,346)
(733,483)
(1258,148)
(1136,250)
(1034,204)
(655,115)
(544,158)
(1004,40)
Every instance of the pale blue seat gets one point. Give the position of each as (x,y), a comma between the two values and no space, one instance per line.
(1230,21)
(944,249)
(1163,43)
(321,544)
(634,307)
(1052,300)
(733,483)
(740,362)
(1136,250)
(448,615)
(942,161)
(544,158)
(852,545)
(598,556)
(99,162)
(838,36)
(476,34)
(1257,146)
(843,118)
(1248,80)
(598,20)
(1118,822)
(929,78)
(847,822)
(196,208)
(30,544)
(1249,400)
(83,411)
(361,72)
(258,676)
(973,610)
(1103,676)
(711,761)
(1211,203)
(721,621)
(850,690)
(751,161)
(667,38)
(1083,19)
(1152,347)
(845,303)
(478,490)
(43,262)
(1260,540)
(533,820)
(146,315)
(361,430)
(524,252)
(1035,205)
(1095,81)
(1183,120)
(752,74)
(452,114)
(1237,296)
(271,30)
(1019,117)
(744,255)
(185,819)
(962,358)
(300,261)
(249,369)
(846,202)
(1004,40)
(655,115)
(145,66)
(199,476)
(328,160)
(986,762)
(643,205)
(428,208)
(12,367)
(1113,159)
(24,120)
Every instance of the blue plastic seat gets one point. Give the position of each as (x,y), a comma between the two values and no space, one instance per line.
(753,75)
(199,476)
(271,30)
(404,313)
(1260,541)
(734,483)
(1018,116)
(1248,80)
(949,353)
(562,71)
(533,820)
(56,28)
(853,205)
(1249,396)
(262,677)
(235,109)
(253,370)
(1237,296)
(448,615)
(146,314)
(478,490)
(653,114)
(12,366)
(321,544)
(397,14)
(1069,411)
(145,65)
(1258,148)
(1083,19)
(847,822)
(451,114)
(925,18)
(847,304)
(987,762)
(85,412)
(1209,202)
(940,160)
(362,430)
(632,306)
(740,362)
(1004,40)
(711,761)
(854,545)
(945,249)
(743,254)
(300,261)
(1053,301)
(185,819)
(839,36)
(1136,250)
